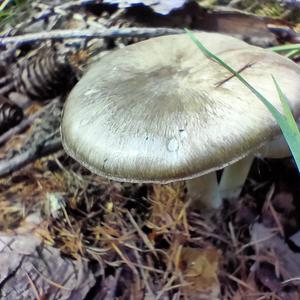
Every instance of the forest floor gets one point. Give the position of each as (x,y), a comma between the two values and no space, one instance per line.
(68,234)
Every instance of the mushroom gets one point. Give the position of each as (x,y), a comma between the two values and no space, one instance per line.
(160,111)
(234,176)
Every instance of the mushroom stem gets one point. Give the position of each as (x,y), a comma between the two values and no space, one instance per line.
(203,191)
(234,177)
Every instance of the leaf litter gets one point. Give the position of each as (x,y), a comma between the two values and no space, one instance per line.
(144,241)
(107,240)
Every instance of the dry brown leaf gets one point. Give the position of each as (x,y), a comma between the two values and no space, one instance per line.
(286,263)
(28,267)
(200,269)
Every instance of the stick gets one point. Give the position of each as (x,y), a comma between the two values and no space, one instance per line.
(15,163)
(87,34)
(19,128)
(43,140)
(46,13)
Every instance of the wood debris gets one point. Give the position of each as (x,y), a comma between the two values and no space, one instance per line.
(30,269)
(108,240)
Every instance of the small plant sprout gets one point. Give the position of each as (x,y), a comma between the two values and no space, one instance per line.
(161,111)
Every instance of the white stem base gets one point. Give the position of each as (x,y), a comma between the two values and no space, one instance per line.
(234,177)
(203,191)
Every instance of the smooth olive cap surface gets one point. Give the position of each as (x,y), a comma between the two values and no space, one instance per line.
(160,111)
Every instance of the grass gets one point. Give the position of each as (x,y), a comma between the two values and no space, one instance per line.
(285,121)
(12,11)
(290,50)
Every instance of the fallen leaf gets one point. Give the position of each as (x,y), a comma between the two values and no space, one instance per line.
(200,270)
(28,267)
(287,262)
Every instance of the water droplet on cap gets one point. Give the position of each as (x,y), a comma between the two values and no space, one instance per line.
(172,145)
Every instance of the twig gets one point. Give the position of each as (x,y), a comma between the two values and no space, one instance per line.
(248,65)
(239,281)
(20,40)
(254,243)
(144,276)
(34,288)
(17,129)
(124,258)
(48,12)
(4,4)
(51,282)
(141,234)
(291,280)
(8,166)
(168,287)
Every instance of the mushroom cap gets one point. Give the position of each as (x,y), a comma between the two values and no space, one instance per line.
(161,111)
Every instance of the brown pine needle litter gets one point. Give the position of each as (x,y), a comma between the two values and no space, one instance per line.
(145,232)
(136,241)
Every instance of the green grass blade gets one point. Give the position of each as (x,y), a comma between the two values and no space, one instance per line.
(291,54)
(289,130)
(286,108)
(286,122)
(291,50)
(4,4)
(293,140)
(284,48)
(271,108)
